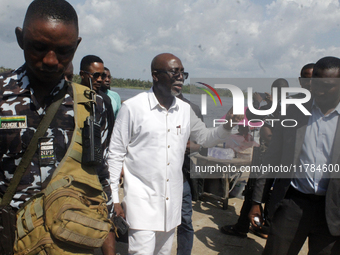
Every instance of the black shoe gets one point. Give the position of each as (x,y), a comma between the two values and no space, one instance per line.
(258,232)
(230,230)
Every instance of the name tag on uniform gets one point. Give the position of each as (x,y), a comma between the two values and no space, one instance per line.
(13,122)
(46,151)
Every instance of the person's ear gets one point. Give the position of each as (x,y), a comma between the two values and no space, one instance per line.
(78,41)
(82,73)
(20,37)
(154,76)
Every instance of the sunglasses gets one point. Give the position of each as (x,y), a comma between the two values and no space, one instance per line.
(174,73)
(96,75)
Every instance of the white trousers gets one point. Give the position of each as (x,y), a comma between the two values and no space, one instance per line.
(145,242)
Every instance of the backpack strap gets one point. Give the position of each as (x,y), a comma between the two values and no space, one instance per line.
(71,164)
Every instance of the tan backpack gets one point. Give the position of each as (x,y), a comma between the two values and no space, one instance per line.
(69,216)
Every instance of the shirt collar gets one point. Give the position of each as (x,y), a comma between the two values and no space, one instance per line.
(154,102)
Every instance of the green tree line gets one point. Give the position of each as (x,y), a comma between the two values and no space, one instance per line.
(140,84)
(123,83)
(3,69)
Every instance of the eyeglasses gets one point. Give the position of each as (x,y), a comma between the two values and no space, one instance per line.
(96,75)
(174,73)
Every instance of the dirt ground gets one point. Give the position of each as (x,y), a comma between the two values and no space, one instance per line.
(208,217)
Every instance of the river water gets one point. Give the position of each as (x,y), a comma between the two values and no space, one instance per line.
(213,111)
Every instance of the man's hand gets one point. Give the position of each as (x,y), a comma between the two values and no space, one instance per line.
(119,210)
(192,147)
(256,212)
(257,97)
(230,117)
(268,98)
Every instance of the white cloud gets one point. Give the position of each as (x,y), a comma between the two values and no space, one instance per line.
(241,38)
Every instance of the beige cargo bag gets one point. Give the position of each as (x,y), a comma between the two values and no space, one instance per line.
(70,216)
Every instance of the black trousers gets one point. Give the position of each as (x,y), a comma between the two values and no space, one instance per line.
(243,221)
(300,216)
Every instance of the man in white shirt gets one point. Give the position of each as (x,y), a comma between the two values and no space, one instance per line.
(149,140)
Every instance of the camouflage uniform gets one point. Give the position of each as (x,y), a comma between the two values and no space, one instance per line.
(20,115)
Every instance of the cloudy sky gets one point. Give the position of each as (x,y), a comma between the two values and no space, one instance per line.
(213,38)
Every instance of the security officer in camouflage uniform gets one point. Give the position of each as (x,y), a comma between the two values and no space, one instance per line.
(49,39)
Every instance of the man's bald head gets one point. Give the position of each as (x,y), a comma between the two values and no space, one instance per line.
(280,83)
(160,62)
(168,77)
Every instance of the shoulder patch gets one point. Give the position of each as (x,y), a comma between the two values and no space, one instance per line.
(13,122)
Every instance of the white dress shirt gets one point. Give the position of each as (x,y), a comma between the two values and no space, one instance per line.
(149,141)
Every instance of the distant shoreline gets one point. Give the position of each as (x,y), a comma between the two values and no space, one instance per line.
(187,89)
(130,87)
